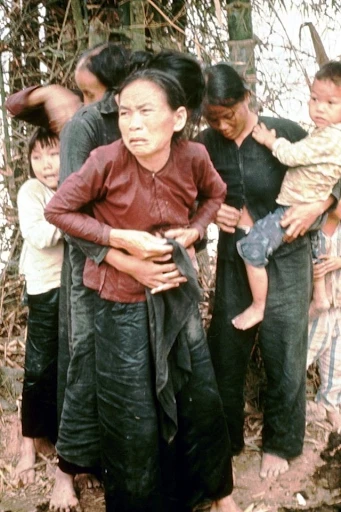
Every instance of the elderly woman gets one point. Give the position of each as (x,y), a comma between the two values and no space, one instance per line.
(96,125)
(164,441)
(98,73)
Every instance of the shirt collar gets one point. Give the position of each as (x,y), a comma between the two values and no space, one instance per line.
(107,105)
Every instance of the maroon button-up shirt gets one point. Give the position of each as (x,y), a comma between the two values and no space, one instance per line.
(125,195)
(17,105)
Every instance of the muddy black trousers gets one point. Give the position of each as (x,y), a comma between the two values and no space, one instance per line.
(39,398)
(282,338)
(141,471)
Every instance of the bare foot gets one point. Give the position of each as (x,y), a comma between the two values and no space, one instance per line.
(250,317)
(334,419)
(25,472)
(226,504)
(43,445)
(315,411)
(272,466)
(87,481)
(316,308)
(64,497)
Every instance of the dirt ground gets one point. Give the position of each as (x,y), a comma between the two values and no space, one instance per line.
(311,484)
(298,489)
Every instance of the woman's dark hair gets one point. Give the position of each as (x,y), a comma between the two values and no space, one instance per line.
(108,62)
(170,86)
(139,60)
(330,71)
(186,70)
(224,86)
(46,138)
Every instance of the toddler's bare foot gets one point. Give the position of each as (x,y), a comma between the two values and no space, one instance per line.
(250,317)
(318,307)
(272,466)
(87,481)
(334,418)
(64,497)
(25,472)
(226,504)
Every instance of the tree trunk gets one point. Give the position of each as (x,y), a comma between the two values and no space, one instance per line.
(241,42)
(79,22)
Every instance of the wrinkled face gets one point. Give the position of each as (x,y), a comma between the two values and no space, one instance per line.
(325,103)
(92,89)
(228,121)
(45,164)
(146,121)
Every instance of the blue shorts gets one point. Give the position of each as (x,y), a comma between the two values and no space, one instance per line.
(265,237)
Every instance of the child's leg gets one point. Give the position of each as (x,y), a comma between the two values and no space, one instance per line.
(320,302)
(334,418)
(258,281)
(318,341)
(318,336)
(265,237)
(329,363)
(39,412)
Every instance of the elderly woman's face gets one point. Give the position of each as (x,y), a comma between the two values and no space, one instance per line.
(92,89)
(146,121)
(229,121)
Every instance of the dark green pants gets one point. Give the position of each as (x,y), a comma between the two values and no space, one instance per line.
(140,472)
(283,343)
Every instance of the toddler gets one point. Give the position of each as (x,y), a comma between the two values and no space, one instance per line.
(314,168)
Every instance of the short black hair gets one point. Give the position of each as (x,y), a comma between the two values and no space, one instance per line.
(46,138)
(330,71)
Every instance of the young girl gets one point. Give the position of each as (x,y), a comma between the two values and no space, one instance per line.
(40,263)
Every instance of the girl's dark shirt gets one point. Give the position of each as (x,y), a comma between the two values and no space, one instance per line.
(252,174)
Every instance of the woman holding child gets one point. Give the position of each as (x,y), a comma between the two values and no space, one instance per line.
(254,178)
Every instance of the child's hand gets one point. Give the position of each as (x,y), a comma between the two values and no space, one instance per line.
(264,136)
(329,264)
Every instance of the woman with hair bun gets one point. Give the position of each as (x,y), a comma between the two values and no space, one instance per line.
(163,437)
